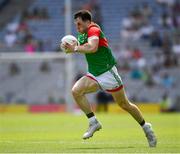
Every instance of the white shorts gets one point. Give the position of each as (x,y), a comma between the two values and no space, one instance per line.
(109,81)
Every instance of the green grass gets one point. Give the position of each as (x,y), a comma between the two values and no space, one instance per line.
(61,133)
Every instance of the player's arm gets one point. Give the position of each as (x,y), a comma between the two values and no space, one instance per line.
(89,47)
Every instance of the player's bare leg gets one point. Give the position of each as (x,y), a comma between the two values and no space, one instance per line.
(84,86)
(122,100)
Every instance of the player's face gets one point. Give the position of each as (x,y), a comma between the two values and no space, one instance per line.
(81,25)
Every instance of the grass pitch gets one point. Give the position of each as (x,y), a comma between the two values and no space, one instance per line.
(61,133)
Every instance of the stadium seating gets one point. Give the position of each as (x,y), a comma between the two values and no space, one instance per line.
(111,19)
(53,29)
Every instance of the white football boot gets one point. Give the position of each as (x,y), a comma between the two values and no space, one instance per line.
(93,127)
(150,135)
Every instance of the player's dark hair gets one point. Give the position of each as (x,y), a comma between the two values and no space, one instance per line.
(84,15)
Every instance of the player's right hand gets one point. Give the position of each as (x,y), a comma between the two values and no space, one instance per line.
(64,48)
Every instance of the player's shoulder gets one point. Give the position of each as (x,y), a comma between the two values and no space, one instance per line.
(94,26)
(94,29)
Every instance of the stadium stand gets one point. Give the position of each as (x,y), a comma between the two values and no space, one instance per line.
(151,62)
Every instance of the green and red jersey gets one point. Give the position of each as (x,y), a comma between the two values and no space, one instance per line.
(102,60)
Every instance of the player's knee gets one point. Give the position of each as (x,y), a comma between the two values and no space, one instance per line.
(76,91)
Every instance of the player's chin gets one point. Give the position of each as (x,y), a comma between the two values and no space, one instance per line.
(79,31)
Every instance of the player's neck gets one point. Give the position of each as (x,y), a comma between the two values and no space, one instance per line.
(91,23)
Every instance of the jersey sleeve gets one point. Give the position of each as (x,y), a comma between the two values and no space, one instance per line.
(94,31)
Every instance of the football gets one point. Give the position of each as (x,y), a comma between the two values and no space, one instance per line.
(70,39)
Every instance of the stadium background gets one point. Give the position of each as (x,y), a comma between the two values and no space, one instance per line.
(143,35)
(35,76)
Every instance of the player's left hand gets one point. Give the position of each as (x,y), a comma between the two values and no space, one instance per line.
(70,48)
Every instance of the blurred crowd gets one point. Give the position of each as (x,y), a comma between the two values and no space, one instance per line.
(142,36)
(163,40)
(138,29)
(19,33)
(3,4)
